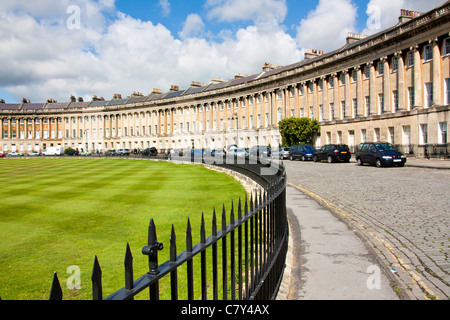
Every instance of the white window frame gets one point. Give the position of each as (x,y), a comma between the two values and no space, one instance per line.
(447,91)
(446,48)
(423,134)
(380,68)
(410,59)
(411,97)
(394,64)
(395,100)
(443,133)
(428,53)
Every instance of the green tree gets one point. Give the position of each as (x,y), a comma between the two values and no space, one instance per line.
(298,131)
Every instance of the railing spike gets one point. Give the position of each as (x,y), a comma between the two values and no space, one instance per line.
(232,213)
(173,245)
(56,291)
(128,268)
(97,281)
(224,219)
(214,223)
(188,236)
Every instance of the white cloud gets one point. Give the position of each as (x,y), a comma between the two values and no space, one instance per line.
(41,58)
(258,11)
(384,14)
(327,26)
(165,7)
(193,26)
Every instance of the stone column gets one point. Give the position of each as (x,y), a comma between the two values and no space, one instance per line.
(402,97)
(373,89)
(417,77)
(348,96)
(324,98)
(9,129)
(33,130)
(437,81)
(386,86)
(359,92)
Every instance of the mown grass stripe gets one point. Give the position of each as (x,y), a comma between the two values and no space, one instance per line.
(60,212)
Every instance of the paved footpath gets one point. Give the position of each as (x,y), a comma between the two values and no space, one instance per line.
(327,260)
(351,220)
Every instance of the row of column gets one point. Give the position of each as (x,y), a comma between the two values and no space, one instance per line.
(275,104)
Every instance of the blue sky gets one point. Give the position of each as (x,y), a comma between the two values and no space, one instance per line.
(179,9)
(57,48)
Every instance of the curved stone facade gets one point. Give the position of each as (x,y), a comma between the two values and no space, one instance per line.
(392,86)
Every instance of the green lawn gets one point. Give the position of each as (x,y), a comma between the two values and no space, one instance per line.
(55,213)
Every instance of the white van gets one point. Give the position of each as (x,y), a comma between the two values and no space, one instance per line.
(53,151)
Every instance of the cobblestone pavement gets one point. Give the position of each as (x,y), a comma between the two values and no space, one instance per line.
(402,213)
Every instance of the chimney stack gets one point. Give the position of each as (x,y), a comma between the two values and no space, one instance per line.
(216,80)
(312,53)
(174,88)
(267,66)
(196,84)
(240,76)
(354,37)
(408,15)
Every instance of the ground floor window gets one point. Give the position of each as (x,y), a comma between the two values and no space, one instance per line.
(442,133)
(423,134)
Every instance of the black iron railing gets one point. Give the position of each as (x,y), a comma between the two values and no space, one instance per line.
(257,235)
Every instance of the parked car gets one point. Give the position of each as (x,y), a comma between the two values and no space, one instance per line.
(15,154)
(123,152)
(150,152)
(72,152)
(2,155)
(110,152)
(238,152)
(333,153)
(261,152)
(85,153)
(281,153)
(303,152)
(32,154)
(379,154)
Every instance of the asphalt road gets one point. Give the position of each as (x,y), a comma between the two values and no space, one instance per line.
(401,213)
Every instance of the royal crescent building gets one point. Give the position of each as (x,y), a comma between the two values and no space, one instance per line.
(393,86)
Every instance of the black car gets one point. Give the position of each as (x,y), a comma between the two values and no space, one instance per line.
(303,152)
(150,152)
(72,152)
(333,153)
(380,154)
